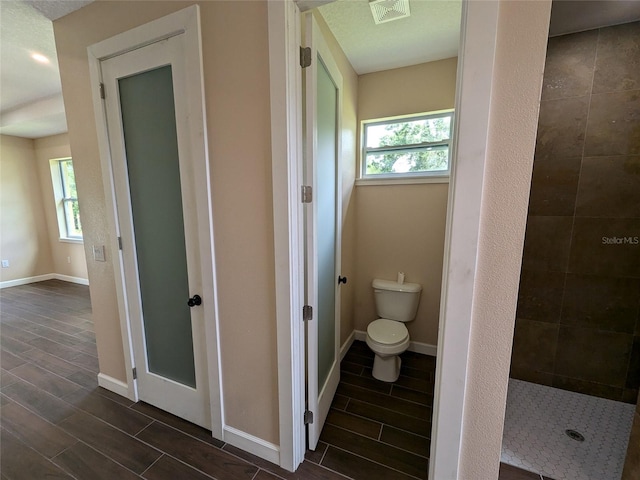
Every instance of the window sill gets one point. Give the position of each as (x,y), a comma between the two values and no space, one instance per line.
(401,181)
(79,241)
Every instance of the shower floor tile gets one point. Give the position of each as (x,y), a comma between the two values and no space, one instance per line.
(535,440)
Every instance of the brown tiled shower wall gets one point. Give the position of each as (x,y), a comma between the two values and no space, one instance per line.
(578,316)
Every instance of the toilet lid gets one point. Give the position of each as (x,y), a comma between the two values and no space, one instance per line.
(386,331)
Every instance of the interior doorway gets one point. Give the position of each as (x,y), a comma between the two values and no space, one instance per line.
(479,24)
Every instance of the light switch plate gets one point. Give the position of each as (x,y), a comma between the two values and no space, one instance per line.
(5,263)
(98,253)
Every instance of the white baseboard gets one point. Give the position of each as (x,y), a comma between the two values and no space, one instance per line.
(42,278)
(251,444)
(114,385)
(26,280)
(423,348)
(417,347)
(347,345)
(67,278)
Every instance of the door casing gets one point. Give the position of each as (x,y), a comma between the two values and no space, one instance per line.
(184,22)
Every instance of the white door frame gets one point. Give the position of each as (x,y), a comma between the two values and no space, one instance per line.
(184,22)
(473,97)
(286,144)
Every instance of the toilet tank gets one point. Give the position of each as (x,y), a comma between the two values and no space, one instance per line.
(396,301)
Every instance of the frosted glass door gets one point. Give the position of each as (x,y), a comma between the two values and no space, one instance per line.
(323,85)
(149,126)
(326,221)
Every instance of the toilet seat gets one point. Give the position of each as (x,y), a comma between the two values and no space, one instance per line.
(387,332)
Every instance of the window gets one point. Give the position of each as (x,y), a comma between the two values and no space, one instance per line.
(66,197)
(417,146)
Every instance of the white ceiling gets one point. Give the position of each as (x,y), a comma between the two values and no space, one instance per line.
(430,33)
(31,99)
(30,95)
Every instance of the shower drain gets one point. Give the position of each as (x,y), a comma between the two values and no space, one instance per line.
(573,435)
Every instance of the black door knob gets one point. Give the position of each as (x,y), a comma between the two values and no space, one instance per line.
(195,300)
(341,279)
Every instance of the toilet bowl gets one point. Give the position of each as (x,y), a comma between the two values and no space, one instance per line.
(388,337)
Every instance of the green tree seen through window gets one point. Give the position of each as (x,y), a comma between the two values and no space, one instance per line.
(412,133)
(70,199)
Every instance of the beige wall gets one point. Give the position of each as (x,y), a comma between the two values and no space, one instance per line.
(23,229)
(401,227)
(421,88)
(237,102)
(349,136)
(68,258)
(518,68)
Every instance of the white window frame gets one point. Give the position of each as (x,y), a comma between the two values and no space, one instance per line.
(436,176)
(62,201)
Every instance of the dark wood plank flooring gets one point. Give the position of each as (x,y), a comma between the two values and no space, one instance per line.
(378,430)
(57,423)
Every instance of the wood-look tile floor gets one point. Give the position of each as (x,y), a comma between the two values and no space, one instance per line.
(377,430)
(57,423)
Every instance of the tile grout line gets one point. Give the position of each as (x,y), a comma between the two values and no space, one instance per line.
(221,449)
(22,308)
(370,438)
(393,397)
(20,312)
(153,419)
(48,460)
(99,452)
(56,356)
(376,462)
(47,338)
(152,464)
(48,372)
(178,459)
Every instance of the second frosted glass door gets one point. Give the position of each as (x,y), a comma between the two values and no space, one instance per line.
(326,221)
(323,85)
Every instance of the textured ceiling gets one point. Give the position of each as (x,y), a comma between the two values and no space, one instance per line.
(30,94)
(30,97)
(431,33)
(55,9)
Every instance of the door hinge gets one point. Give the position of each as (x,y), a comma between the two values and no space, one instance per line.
(308,417)
(307,313)
(134,370)
(305,57)
(119,243)
(102,95)
(307,193)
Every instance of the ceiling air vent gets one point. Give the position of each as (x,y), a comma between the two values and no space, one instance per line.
(388,10)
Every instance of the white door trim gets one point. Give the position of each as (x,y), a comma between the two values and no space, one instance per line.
(186,22)
(286,154)
(477,51)
(473,100)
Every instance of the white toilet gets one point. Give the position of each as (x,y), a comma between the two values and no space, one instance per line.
(388,337)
